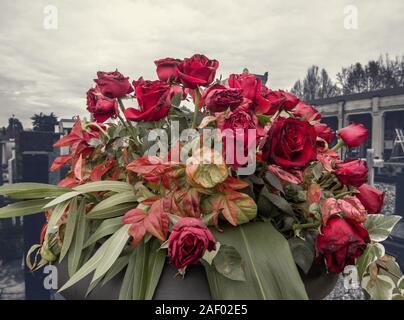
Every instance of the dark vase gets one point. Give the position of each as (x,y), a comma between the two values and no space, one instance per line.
(171,287)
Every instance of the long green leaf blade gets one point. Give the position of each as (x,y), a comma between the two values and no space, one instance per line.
(107,227)
(23,208)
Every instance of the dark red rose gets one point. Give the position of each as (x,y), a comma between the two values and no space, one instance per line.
(269,102)
(197,71)
(167,69)
(101,108)
(188,242)
(248,82)
(236,128)
(352,172)
(324,132)
(218,98)
(306,112)
(113,84)
(154,98)
(371,198)
(340,242)
(353,135)
(290,143)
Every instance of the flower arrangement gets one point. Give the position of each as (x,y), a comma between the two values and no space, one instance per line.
(248,186)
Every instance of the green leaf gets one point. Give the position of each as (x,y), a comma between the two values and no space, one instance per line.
(278,201)
(23,208)
(270,270)
(380,226)
(303,253)
(31,190)
(64,197)
(400,284)
(156,263)
(228,262)
(208,256)
(176,100)
(107,227)
(117,210)
(117,267)
(119,198)
(116,244)
(263,119)
(126,291)
(380,289)
(115,186)
(70,229)
(274,181)
(372,252)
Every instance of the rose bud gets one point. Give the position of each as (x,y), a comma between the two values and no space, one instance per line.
(269,102)
(306,112)
(248,82)
(218,98)
(290,143)
(324,132)
(154,98)
(353,135)
(101,108)
(167,69)
(113,84)
(197,71)
(352,172)
(340,242)
(188,242)
(371,198)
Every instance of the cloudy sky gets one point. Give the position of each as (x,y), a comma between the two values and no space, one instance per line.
(49,70)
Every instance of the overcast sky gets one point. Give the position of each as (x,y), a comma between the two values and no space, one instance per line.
(45,70)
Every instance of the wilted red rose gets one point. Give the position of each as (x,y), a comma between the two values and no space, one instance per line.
(371,198)
(113,84)
(167,69)
(248,82)
(306,112)
(349,207)
(340,242)
(236,128)
(353,135)
(218,98)
(154,98)
(324,132)
(328,158)
(290,143)
(188,242)
(269,102)
(101,107)
(352,172)
(197,71)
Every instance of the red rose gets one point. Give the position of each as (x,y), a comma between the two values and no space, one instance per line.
(269,102)
(197,71)
(340,242)
(167,69)
(349,207)
(290,143)
(113,84)
(218,98)
(371,198)
(353,135)
(101,108)
(324,132)
(352,172)
(237,126)
(188,242)
(306,112)
(248,82)
(154,98)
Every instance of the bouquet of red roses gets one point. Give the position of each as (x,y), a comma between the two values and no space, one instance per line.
(226,173)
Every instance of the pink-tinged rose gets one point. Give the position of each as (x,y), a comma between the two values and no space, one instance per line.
(197,71)
(306,112)
(269,102)
(349,207)
(101,107)
(290,143)
(154,98)
(113,84)
(328,158)
(188,242)
(340,242)
(290,175)
(324,132)
(352,172)
(167,69)
(247,82)
(371,198)
(218,98)
(353,135)
(314,193)
(329,207)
